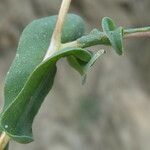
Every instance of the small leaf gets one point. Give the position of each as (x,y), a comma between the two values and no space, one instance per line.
(108,24)
(114,34)
(76,64)
(83,67)
(95,56)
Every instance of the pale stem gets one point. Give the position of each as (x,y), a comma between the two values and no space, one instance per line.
(135,30)
(56,37)
(70,44)
(4,139)
(143,32)
(138,35)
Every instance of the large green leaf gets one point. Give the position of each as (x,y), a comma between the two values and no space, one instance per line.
(30,79)
(17,118)
(114,34)
(32,47)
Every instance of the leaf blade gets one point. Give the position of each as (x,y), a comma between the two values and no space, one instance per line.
(19,124)
(114,34)
(32,47)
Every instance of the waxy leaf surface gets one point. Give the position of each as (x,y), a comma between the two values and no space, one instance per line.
(114,34)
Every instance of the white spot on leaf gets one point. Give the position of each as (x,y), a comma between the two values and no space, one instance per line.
(6,126)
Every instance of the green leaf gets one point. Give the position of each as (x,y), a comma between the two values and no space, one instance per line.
(17,118)
(29,79)
(93,59)
(77,64)
(32,47)
(114,34)
(108,24)
(83,67)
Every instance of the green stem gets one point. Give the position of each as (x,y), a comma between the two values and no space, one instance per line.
(136,30)
(96,37)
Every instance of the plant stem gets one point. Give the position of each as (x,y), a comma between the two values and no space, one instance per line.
(56,37)
(135,30)
(4,139)
(138,35)
(99,38)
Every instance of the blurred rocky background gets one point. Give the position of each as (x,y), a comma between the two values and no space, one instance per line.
(112,110)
